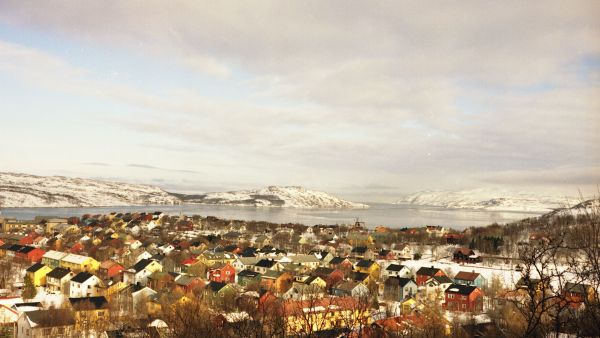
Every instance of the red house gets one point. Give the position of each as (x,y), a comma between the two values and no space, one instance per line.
(28,239)
(463,298)
(110,269)
(31,254)
(423,274)
(224,273)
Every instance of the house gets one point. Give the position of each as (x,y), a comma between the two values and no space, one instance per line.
(248,277)
(360,277)
(331,276)
(140,271)
(243,263)
(37,273)
(403,251)
(436,286)
(577,294)
(109,269)
(301,291)
(350,288)
(424,273)
(218,292)
(302,317)
(52,258)
(79,263)
(84,284)
(361,252)
(187,283)
(46,323)
(8,316)
(90,312)
(160,280)
(397,270)
(368,266)
(223,272)
(341,263)
(398,288)
(58,279)
(465,255)
(387,255)
(276,281)
(312,280)
(470,278)
(142,298)
(30,254)
(459,297)
(266,264)
(310,261)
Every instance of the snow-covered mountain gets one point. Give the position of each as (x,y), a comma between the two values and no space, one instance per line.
(290,196)
(488,199)
(23,190)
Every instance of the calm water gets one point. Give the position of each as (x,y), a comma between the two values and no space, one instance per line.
(392,215)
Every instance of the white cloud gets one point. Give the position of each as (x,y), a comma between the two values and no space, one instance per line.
(338,92)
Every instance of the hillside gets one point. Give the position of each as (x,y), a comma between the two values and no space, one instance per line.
(274,196)
(487,199)
(23,190)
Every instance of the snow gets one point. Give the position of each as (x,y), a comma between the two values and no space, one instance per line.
(276,196)
(23,190)
(488,199)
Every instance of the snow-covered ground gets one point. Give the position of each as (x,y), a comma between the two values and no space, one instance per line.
(22,190)
(289,196)
(488,199)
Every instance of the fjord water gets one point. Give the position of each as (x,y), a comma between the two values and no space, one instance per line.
(392,215)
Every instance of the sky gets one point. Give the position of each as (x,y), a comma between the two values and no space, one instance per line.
(369,101)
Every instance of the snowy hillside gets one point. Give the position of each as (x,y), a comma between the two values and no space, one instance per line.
(488,199)
(294,197)
(22,190)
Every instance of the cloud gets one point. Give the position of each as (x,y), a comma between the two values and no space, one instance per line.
(415,95)
(97,164)
(146,166)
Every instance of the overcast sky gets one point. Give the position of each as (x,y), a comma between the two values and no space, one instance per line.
(366,100)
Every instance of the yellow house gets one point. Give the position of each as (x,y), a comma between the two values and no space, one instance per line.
(211,258)
(409,305)
(37,273)
(314,280)
(79,263)
(114,288)
(369,266)
(302,317)
(90,313)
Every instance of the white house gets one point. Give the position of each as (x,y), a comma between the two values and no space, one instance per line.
(397,270)
(139,272)
(84,284)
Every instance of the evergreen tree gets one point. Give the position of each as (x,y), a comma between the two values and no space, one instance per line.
(29,290)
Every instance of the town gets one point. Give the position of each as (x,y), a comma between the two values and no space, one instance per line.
(157,275)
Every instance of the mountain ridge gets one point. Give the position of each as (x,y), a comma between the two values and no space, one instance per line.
(26,190)
(486,199)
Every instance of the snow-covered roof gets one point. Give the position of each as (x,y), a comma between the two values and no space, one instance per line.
(75,259)
(52,254)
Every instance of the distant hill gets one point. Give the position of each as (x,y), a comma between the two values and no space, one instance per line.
(273,196)
(487,199)
(23,190)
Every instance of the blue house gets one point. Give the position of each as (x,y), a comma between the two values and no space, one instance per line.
(470,278)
